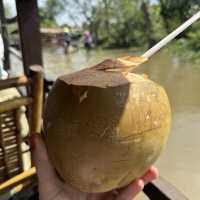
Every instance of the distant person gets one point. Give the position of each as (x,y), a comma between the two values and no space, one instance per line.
(88,40)
(67,39)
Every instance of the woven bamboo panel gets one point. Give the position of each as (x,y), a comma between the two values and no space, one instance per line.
(15,157)
(10,153)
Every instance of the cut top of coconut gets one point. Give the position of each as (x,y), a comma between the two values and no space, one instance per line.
(123,64)
(99,78)
(109,73)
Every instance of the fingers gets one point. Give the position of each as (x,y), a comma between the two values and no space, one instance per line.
(45,171)
(50,185)
(137,186)
(132,190)
(150,175)
(97,197)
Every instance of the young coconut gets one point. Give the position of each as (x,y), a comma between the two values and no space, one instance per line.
(105,127)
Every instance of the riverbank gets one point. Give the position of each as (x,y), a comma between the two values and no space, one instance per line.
(182,49)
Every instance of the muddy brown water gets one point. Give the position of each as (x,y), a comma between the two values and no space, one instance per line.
(180,161)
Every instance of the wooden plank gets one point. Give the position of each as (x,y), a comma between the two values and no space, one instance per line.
(14,103)
(162,190)
(28,20)
(14,82)
(4,36)
(19,137)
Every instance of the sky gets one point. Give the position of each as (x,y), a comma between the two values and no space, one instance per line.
(61,19)
(11,4)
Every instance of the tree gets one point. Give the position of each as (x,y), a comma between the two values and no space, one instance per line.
(117,23)
(176,12)
(147,22)
(89,12)
(50,11)
(106,7)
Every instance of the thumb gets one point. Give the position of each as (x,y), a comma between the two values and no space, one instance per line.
(45,171)
(49,183)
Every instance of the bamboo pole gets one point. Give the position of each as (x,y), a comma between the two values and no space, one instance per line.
(14,103)
(37,95)
(19,137)
(14,82)
(17,179)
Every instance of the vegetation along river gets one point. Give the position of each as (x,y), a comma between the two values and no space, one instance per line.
(179,163)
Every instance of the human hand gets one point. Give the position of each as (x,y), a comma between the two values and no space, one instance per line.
(52,188)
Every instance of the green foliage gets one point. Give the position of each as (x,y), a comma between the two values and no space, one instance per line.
(127,23)
(157,22)
(8,10)
(194,37)
(50,11)
(120,23)
(175,12)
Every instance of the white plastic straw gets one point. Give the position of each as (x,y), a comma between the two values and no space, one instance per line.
(171,36)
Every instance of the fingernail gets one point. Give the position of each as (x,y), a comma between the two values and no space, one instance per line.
(32,140)
(140,184)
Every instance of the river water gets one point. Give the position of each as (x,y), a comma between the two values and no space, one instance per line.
(180,162)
